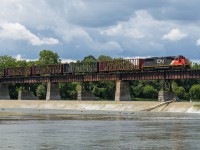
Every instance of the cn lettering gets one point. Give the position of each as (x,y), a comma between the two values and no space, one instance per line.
(160,61)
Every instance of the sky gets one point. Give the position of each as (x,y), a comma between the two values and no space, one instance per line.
(117,28)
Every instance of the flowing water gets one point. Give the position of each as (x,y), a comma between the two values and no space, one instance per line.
(98,130)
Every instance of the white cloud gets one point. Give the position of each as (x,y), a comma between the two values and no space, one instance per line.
(174,35)
(110,46)
(70,33)
(68,60)
(18,57)
(17,31)
(124,29)
(198,42)
(195,61)
(83,26)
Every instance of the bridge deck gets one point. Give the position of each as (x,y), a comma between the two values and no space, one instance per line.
(143,75)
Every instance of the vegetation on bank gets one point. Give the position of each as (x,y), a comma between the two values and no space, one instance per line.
(197,107)
(140,90)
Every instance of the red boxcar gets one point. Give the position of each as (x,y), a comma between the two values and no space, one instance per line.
(48,69)
(120,65)
(19,71)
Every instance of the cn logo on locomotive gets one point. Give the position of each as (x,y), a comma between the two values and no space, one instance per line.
(160,61)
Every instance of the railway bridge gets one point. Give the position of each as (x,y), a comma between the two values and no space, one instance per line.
(122,85)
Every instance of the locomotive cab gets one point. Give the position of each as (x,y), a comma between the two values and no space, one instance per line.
(180,62)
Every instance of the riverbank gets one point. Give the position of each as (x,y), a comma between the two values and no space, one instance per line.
(122,106)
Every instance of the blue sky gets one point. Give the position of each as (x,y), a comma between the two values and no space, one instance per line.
(118,28)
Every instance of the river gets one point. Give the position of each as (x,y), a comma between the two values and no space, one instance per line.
(98,130)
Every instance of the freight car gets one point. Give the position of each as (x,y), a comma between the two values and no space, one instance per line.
(18,71)
(81,67)
(120,65)
(47,69)
(116,65)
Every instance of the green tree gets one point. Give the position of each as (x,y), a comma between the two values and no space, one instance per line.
(21,63)
(150,92)
(104,58)
(195,66)
(195,92)
(89,58)
(48,57)
(41,91)
(68,90)
(103,89)
(180,92)
(7,61)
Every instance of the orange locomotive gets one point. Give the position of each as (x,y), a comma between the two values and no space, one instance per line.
(169,62)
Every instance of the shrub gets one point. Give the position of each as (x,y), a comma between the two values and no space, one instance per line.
(195,91)
(150,92)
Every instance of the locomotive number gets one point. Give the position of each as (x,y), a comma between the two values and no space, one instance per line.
(160,61)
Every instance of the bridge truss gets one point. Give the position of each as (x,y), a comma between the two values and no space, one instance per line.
(143,75)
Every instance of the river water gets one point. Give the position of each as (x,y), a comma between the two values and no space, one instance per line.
(98,130)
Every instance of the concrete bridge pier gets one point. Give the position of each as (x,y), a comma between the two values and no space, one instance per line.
(26,95)
(86,95)
(83,93)
(4,92)
(167,95)
(53,92)
(122,92)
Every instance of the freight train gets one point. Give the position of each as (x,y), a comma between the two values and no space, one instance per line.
(116,65)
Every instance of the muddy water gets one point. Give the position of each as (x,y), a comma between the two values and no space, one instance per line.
(99,130)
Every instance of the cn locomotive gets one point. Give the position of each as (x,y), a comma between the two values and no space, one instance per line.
(114,66)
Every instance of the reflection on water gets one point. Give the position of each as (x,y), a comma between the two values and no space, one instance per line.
(102,130)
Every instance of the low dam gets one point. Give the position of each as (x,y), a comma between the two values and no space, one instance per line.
(134,106)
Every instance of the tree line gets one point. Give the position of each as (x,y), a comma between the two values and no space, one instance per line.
(185,89)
